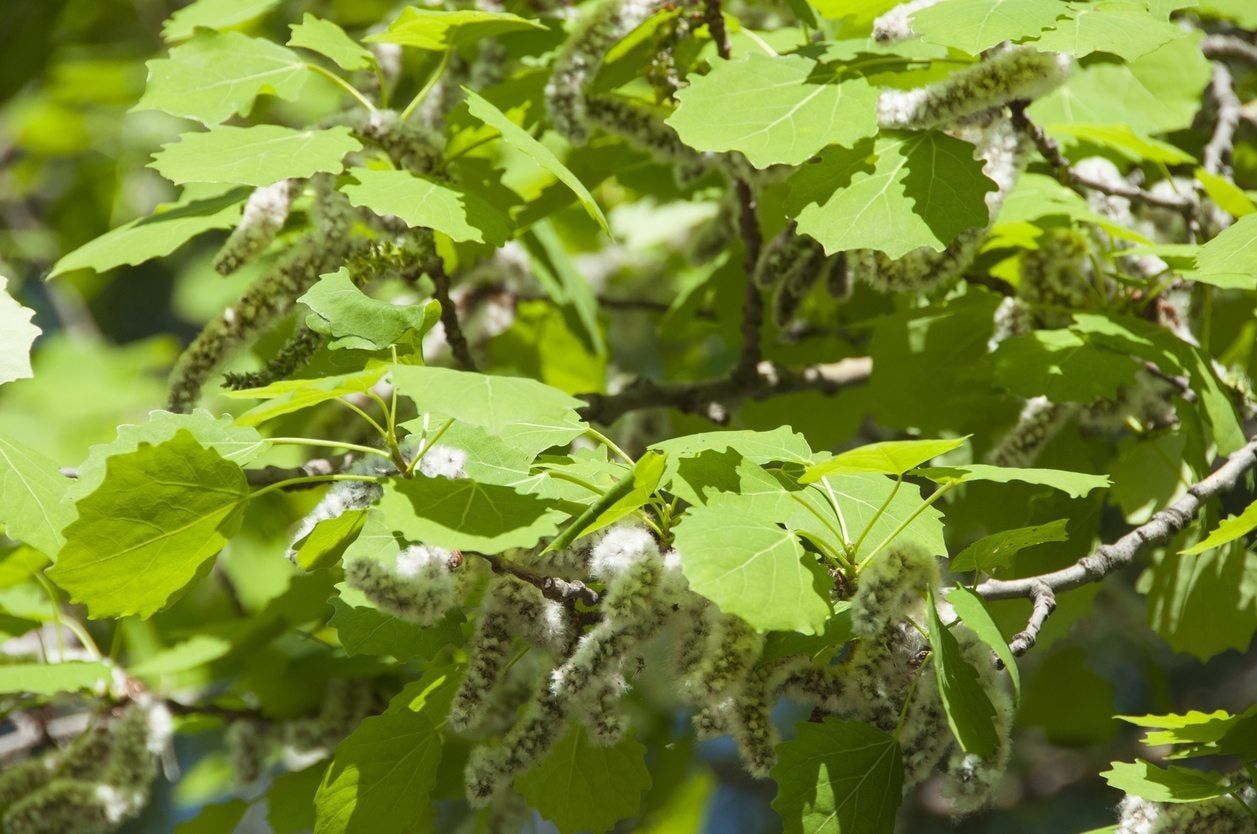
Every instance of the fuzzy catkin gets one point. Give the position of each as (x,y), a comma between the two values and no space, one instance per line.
(896,24)
(422,587)
(646,129)
(1012,74)
(1038,423)
(1222,815)
(264,215)
(486,653)
(731,651)
(628,560)
(490,769)
(272,296)
(581,56)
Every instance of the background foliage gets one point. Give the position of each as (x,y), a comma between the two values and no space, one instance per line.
(738,249)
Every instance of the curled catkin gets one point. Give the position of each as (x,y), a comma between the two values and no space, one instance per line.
(731,651)
(272,296)
(1038,423)
(486,655)
(1012,318)
(1013,74)
(645,128)
(68,806)
(490,769)
(23,778)
(248,744)
(581,56)
(628,560)
(264,215)
(891,585)
(411,146)
(752,726)
(423,585)
(1221,815)
(1059,277)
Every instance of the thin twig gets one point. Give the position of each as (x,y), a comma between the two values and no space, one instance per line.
(551,587)
(1216,156)
(1044,599)
(1051,153)
(1221,47)
(449,317)
(712,398)
(748,222)
(1158,530)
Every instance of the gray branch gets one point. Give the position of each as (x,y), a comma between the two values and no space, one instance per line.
(711,398)
(1229,47)
(1217,153)
(1108,558)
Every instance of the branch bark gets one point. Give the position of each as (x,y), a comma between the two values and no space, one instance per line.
(449,316)
(748,223)
(1108,558)
(1222,47)
(1051,153)
(1216,156)
(713,397)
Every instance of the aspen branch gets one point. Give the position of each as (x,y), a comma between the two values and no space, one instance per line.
(712,398)
(449,316)
(1216,156)
(551,587)
(1222,47)
(748,223)
(1108,558)
(1068,176)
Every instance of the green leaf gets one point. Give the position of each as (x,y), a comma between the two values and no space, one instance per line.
(1172,784)
(17,334)
(235,443)
(997,550)
(1124,28)
(901,192)
(779,444)
(1075,484)
(861,495)
(328,39)
(1229,196)
(838,777)
(1134,146)
(289,395)
(972,611)
(891,457)
(32,490)
(381,777)
(53,678)
(439,30)
(145,238)
(216,76)
(357,321)
(1156,93)
(974,26)
(290,800)
(323,546)
(217,818)
(1229,260)
(160,513)
(774,110)
(969,711)
(1240,11)
(751,568)
(520,140)
(256,155)
(625,497)
(528,415)
(1203,604)
(365,630)
(181,657)
(465,515)
(213,14)
(580,786)
(1062,365)
(562,280)
(1233,528)
(426,203)
(1174,356)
